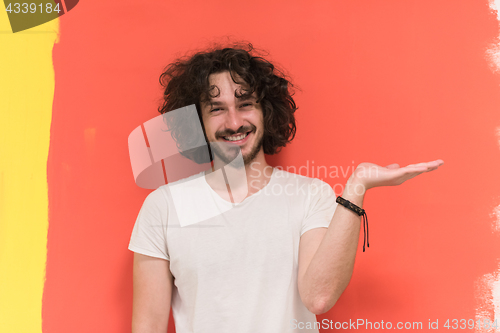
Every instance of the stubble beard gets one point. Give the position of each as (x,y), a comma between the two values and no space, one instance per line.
(229,155)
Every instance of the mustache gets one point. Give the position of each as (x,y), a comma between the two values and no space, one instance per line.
(241,130)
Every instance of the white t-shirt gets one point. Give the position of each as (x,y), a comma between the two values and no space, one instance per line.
(235,271)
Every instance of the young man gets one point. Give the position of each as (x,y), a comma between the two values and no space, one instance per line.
(278,249)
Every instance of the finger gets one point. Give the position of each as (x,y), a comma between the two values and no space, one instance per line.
(433,168)
(414,170)
(393,166)
(437,163)
(434,165)
(420,167)
(425,166)
(417,169)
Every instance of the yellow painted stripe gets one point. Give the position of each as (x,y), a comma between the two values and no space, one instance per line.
(26,94)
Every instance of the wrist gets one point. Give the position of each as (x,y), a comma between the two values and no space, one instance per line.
(354,191)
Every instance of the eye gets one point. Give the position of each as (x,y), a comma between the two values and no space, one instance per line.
(245,105)
(215,109)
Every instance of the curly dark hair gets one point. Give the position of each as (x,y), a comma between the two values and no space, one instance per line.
(186,82)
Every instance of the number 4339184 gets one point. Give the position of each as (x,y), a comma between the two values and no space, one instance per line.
(32,8)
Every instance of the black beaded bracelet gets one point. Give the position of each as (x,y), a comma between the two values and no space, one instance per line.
(361,212)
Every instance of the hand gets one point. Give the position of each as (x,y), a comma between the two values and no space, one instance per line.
(370,175)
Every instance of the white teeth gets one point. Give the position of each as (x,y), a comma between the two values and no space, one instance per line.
(235,138)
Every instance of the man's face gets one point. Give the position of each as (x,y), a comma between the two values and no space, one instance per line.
(231,122)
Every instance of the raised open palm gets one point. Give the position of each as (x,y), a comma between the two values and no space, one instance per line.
(372,175)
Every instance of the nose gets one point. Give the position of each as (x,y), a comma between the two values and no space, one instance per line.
(234,119)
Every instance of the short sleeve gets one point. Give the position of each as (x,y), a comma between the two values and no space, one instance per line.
(149,233)
(320,206)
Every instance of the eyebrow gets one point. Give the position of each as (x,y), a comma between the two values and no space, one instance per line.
(246,98)
(240,99)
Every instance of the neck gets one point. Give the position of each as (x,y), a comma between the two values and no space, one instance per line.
(240,182)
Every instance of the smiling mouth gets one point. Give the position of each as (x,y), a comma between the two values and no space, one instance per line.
(237,137)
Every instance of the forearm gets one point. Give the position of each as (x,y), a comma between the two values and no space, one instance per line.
(330,269)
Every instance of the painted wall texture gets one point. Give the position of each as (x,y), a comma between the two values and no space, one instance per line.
(379,81)
(26,96)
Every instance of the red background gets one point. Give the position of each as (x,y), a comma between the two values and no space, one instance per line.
(380,81)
